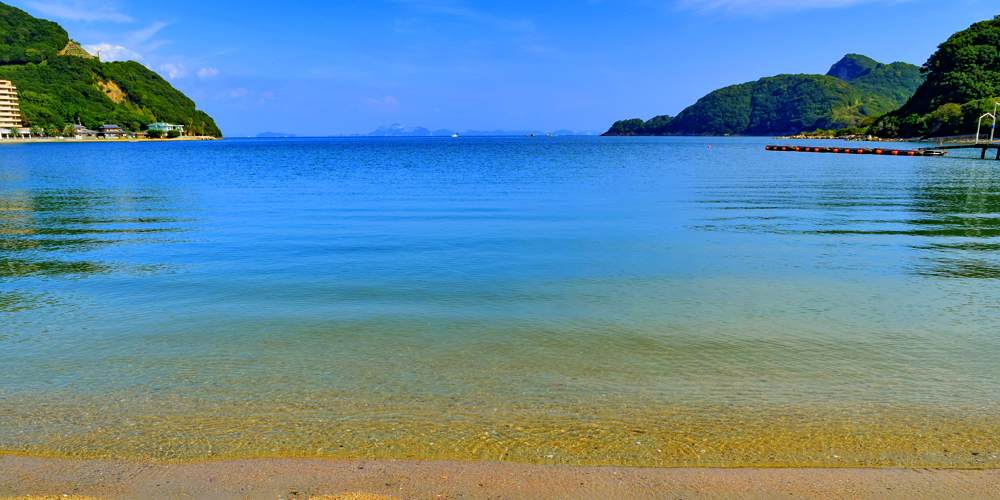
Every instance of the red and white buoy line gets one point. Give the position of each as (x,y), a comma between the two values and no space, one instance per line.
(858,151)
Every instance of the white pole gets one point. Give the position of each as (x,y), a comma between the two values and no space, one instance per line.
(993,129)
(994,126)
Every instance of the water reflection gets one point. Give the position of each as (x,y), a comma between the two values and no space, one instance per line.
(949,214)
(49,233)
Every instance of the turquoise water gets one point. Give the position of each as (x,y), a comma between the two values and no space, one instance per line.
(648,301)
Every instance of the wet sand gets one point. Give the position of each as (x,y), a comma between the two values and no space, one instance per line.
(333,479)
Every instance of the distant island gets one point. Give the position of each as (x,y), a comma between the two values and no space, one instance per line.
(60,85)
(858,96)
(397,130)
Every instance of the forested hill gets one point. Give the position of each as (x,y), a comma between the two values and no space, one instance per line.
(59,90)
(854,91)
(962,83)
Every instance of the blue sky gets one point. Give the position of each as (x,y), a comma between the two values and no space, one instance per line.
(342,67)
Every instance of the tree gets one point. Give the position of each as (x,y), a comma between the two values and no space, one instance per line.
(962,78)
(173,134)
(154,133)
(626,127)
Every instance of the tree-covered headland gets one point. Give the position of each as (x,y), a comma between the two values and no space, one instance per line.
(958,84)
(855,91)
(962,82)
(56,91)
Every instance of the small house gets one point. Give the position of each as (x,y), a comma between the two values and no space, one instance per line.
(81,132)
(110,132)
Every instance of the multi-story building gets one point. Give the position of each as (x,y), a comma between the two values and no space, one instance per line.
(166,127)
(10,113)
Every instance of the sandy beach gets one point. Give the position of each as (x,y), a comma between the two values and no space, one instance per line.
(401,479)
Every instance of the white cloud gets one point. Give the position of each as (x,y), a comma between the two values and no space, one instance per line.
(269,95)
(109,52)
(238,93)
(772,5)
(388,104)
(139,39)
(80,10)
(174,71)
(207,72)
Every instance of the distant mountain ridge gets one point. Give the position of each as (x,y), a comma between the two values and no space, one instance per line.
(397,130)
(855,91)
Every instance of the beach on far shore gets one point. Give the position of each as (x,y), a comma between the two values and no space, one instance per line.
(306,478)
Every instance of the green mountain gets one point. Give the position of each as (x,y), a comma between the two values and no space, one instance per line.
(56,89)
(962,82)
(855,90)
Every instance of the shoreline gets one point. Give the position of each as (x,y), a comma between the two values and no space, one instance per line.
(70,140)
(294,478)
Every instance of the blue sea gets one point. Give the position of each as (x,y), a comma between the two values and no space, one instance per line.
(566,300)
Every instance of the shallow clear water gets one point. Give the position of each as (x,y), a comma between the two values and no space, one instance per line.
(640,301)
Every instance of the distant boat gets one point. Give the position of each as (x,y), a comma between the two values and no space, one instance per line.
(548,135)
(454,135)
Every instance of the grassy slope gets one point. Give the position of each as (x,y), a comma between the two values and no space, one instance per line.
(27,39)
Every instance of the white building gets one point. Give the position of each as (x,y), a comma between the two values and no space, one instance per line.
(165,127)
(10,112)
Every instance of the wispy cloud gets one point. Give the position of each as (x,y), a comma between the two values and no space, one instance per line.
(207,72)
(80,10)
(120,49)
(458,10)
(388,104)
(174,71)
(139,37)
(758,6)
(108,52)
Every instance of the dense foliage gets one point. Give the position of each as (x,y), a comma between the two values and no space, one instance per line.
(788,104)
(852,66)
(59,90)
(635,126)
(962,83)
(26,39)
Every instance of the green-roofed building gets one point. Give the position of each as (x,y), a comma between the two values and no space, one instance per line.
(165,127)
